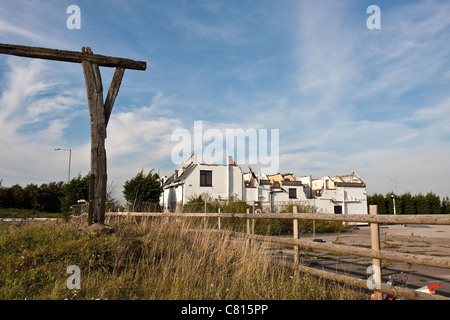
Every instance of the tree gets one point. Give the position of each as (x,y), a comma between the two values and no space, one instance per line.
(421,204)
(6,197)
(50,195)
(30,194)
(76,189)
(142,189)
(380,201)
(407,204)
(445,207)
(434,203)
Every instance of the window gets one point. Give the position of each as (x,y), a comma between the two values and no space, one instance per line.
(205,178)
(338,209)
(292,193)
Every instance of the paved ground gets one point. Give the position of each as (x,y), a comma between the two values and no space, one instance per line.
(415,239)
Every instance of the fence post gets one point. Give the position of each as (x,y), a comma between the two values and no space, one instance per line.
(219,222)
(375,245)
(253,220)
(249,242)
(248,223)
(205,219)
(296,236)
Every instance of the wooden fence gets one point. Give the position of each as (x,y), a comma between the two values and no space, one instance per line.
(374,252)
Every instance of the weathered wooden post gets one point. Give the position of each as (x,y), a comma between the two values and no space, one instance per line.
(375,245)
(219,221)
(248,222)
(249,231)
(99,112)
(296,236)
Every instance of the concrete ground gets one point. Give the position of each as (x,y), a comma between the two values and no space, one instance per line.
(433,240)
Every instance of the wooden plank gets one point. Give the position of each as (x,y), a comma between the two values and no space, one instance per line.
(441,262)
(386,288)
(112,92)
(296,235)
(363,252)
(97,196)
(71,56)
(403,292)
(438,219)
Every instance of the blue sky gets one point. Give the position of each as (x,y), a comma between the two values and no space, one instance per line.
(344,98)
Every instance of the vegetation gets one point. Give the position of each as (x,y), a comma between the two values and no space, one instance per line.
(46,197)
(143,190)
(55,197)
(153,259)
(408,204)
(25,213)
(76,189)
(205,203)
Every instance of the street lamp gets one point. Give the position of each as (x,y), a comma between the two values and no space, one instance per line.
(393,195)
(393,199)
(70,158)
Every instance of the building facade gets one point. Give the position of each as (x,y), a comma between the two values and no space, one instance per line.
(340,194)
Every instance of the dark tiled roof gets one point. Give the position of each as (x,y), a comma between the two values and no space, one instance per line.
(291,183)
(350,184)
(183,175)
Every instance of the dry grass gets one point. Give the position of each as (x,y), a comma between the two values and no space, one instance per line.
(152,259)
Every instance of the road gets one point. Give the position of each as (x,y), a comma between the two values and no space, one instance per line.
(431,240)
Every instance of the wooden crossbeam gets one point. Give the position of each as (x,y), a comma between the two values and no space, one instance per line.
(71,56)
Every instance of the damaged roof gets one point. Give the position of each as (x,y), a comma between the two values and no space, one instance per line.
(182,176)
(349,180)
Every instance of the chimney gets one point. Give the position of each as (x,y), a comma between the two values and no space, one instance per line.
(176,174)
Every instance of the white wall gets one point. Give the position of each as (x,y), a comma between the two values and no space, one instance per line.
(236,182)
(262,194)
(355,200)
(219,182)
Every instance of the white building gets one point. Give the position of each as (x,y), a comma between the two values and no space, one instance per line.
(340,194)
(193,179)
(273,190)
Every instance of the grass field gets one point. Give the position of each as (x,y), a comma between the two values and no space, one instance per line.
(152,259)
(24,213)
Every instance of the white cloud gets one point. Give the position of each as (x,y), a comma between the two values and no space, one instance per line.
(340,66)
(34,115)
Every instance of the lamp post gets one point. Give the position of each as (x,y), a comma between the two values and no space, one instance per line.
(393,195)
(393,199)
(70,159)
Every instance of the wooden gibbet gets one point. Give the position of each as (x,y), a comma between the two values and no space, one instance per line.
(99,110)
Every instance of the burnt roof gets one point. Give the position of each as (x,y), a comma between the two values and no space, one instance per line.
(181,177)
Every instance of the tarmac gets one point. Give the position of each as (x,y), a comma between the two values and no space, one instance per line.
(432,240)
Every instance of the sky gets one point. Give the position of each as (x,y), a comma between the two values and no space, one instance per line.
(343,97)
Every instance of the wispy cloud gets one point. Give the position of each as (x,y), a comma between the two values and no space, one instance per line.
(371,101)
(33,116)
(345,98)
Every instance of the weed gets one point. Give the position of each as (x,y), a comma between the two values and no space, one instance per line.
(150,259)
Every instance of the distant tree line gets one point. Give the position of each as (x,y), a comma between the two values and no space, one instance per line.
(144,189)
(48,197)
(410,204)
